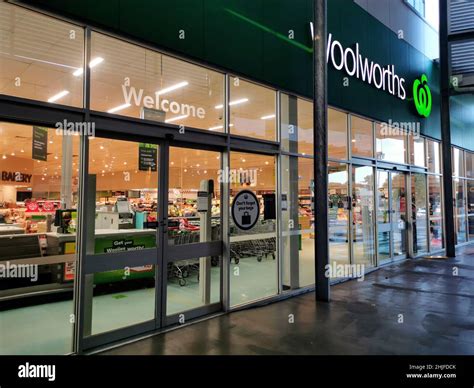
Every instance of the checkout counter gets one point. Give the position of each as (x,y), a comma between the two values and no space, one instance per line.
(116,230)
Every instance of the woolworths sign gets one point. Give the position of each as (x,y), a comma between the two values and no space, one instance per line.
(383,77)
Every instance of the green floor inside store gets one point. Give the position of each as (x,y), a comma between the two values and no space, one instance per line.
(47,328)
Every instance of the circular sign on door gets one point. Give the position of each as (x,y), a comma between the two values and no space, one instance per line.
(245,209)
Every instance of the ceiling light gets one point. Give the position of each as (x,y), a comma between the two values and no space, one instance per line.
(236,102)
(267,117)
(171,88)
(92,64)
(176,118)
(219,127)
(58,96)
(120,107)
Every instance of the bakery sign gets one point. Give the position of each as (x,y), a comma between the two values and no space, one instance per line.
(11,176)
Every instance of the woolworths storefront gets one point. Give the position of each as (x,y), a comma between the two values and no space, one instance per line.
(189,189)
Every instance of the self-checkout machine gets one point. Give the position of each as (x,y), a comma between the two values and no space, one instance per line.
(204,206)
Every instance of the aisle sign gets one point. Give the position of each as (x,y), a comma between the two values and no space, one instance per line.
(245,209)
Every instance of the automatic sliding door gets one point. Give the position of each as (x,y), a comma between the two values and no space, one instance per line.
(384,216)
(193,251)
(398,203)
(419,213)
(119,297)
(363,218)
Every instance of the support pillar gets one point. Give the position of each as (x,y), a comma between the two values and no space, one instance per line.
(320,149)
(450,236)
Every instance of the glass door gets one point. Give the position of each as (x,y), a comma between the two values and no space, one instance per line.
(391,215)
(363,217)
(121,272)
(192,251)
(419,213)
(398,203)
(384,216)
(152,242)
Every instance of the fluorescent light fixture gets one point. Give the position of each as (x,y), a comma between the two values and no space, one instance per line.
(93,63)
(58,96)
(219,127)
(268,117)
(236,102)
(176,118)
(173,87)
(120,107)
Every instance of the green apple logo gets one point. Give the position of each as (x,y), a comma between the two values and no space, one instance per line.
(422,96)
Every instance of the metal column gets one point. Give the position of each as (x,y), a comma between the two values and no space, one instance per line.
(450,238)
(320,150)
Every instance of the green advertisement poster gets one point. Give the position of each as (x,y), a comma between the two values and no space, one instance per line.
(124,244)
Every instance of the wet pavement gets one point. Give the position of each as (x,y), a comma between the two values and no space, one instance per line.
(421,306)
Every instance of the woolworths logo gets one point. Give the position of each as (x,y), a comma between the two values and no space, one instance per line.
(422,96)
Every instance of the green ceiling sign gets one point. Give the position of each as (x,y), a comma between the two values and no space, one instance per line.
(422,96)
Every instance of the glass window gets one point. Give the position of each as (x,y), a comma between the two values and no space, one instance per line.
(38,220)
(436,212)
(126,180)
(417,150)
(297,199)
(469,164)
(338,215)
(391,143)
(434,157)
(189,169)
(296,125)
(337,134)
(362,137)
(41,58)
(254,269)
(363,215)
(252,110)
(148,85)
(458,162)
